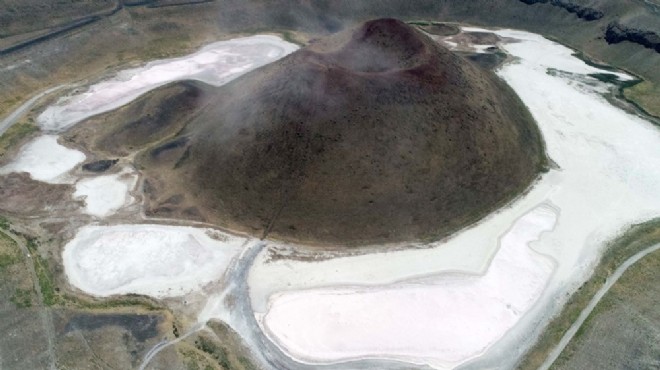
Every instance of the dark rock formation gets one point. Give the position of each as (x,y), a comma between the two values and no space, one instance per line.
(586,13)
(617,33)
(100,165)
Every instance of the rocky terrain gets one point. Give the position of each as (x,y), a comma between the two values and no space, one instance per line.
(586,13)
(617,33)
(376,134)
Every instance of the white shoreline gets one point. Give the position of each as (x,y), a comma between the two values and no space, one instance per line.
(44,159)
(104,195)
(608,163)
(155,260)
(457,299)
(96,261)
(214,64)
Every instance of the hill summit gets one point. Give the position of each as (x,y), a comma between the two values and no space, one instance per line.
(374,134)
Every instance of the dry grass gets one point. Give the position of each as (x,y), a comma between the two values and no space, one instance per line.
(646,95)
(637,238)
(221,350)
(9,253)
(622,330)
(14,135)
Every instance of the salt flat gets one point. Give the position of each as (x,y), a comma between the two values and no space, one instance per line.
(215,64)
(45,160)
(441,320)
(48,161)
(606,179)
(154,260)
(338,309)
(105,194)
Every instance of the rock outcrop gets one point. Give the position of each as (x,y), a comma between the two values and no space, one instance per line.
(583,12)
(617,33)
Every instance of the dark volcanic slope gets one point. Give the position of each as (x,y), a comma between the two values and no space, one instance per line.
(374,134)
(153,117)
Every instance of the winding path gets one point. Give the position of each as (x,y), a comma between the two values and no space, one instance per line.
(570,333)
(166,343)
(14,116)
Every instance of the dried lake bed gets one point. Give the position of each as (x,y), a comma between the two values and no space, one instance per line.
(215,64)
(604,181)
(154,260)
(476,299)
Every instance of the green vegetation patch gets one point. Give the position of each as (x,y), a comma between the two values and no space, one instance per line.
(218,352)
(11,262)
(289,36)
(129,300)
(52,295)
(224,350)
(606,77)
(9,253)
(10,102)
(14,135)
(193,360)
(239,353)
(46,281)
(22,298)
(635,239)
(7,260)
(4,223)
(646,96)
(165,47)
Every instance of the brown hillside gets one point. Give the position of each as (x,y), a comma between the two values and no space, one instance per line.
(375,134)
(153,117)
